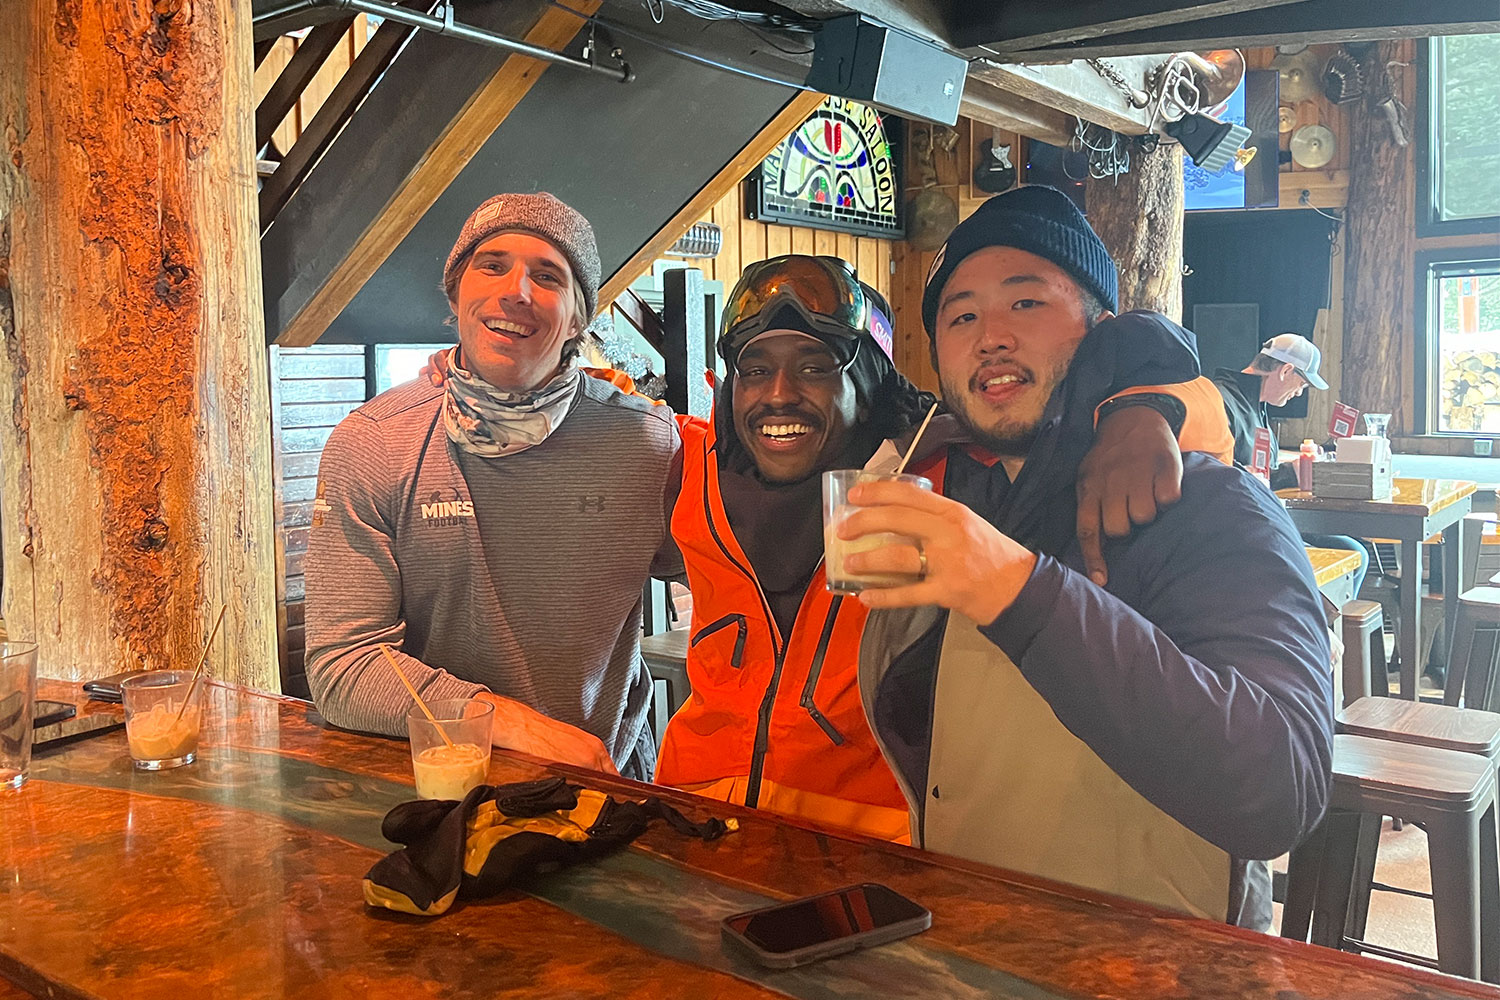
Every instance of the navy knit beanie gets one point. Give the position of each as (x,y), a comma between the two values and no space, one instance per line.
(1040,220)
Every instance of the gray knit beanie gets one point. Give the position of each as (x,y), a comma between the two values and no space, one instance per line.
(541,215)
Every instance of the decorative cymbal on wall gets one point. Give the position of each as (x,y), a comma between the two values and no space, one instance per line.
(1313,146)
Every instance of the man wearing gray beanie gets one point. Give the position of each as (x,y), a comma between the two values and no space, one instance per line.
(475,529)
(1158,737)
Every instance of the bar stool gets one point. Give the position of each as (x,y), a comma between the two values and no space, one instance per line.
(1465,730)
(1365,671)
(1453,796)
(666,660)
(1472,673)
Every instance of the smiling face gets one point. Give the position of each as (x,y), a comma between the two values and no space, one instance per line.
(794,405)
(515,305)
(1008,324)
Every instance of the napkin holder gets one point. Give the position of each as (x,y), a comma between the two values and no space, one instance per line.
(1362,471)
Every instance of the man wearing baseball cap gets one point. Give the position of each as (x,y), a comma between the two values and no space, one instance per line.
(1286,365)
(1157,738)
(471,527)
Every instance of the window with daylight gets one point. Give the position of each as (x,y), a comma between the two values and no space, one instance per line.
(839,171)
(397,363)
(1460,189)
(1463,335)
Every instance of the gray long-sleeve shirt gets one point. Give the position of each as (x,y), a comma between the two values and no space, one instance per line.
(521,575)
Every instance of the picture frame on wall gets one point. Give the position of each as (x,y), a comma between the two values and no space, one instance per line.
(839,171)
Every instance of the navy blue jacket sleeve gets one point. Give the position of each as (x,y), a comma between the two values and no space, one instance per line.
(1206,684)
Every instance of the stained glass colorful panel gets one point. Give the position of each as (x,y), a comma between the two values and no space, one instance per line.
(837,171)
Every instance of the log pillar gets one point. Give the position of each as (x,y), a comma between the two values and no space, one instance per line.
(136,467)
(1140,221)
(1380,243)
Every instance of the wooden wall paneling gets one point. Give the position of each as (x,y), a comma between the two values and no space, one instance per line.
(729,214)
(825,242)
(265,76)
(802,240)
(864,261)
(778,240)
(844,247)
(315,388)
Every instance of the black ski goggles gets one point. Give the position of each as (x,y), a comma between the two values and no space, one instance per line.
(822,290)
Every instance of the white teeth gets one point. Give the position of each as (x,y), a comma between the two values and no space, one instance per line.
(505,326)
(1002,380)
(784,430)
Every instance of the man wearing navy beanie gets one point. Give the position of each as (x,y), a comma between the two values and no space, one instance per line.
(1159,737)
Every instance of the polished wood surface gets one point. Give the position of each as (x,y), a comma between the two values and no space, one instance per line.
(1330,564)
(239,876)
(1411,496)
(1465,729)
(1431,773)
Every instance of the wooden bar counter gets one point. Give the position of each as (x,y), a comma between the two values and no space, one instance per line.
(239,877)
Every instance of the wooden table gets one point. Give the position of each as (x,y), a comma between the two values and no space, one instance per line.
(1334,570)
(239,877)
(1418,508)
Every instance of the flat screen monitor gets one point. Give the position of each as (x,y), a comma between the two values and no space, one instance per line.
(1256,184)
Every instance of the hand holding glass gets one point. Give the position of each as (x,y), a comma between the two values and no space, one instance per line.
(836,486)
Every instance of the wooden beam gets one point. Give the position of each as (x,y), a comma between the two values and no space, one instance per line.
(373,60)
(282,95)
(793,114)
(1015,27)
(1299,23)
(431,167)
(137,495)
(987,103)
(1075,88)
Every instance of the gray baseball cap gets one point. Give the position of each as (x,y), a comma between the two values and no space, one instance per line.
(1297,351)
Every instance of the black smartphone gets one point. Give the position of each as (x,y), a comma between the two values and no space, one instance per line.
(50,713)
(108,688)
(831,923)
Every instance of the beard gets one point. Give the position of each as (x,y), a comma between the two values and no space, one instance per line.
(1007,434)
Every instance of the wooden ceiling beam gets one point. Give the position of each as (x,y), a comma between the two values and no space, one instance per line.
(1014,27)
(377,180)
(793,114)
(1074,88)
(1298,23)
(993,106)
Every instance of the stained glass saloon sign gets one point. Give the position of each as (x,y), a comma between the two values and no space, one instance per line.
(837,171)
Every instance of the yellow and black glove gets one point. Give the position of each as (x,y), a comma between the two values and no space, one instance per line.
(500,835)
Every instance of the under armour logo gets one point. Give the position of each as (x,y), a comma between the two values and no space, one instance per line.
(590,505)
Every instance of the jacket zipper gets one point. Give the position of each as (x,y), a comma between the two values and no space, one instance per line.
(739,640)
(806,701)
(763,718)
